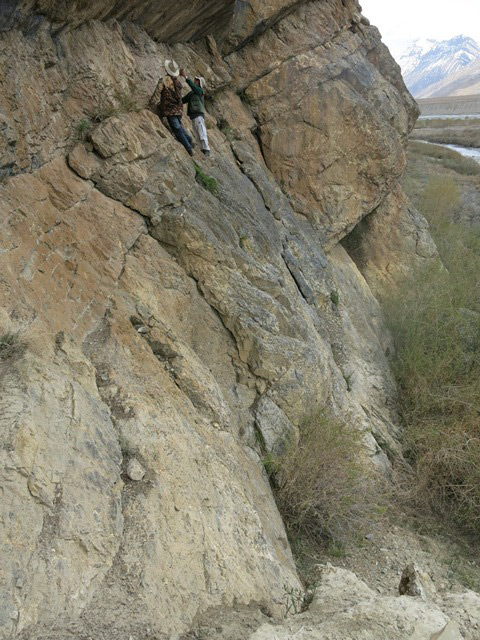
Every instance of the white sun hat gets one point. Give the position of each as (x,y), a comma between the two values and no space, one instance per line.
(172,68)
(203,83)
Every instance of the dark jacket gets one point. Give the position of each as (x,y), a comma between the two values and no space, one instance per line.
(167,97)
(195,100)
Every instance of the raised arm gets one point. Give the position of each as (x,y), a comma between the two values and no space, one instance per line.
(194,87)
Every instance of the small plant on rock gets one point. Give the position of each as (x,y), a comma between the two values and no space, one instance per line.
(12,346)
(82,128)
(245,98)
(109,106)
(207,182)
(126,102)
(271,464)
(228,132)
(4,176)
(335,298)
(298,600)
(348,381)
(105,109)
(293,599)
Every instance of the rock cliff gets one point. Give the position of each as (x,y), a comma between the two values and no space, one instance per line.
(170,334)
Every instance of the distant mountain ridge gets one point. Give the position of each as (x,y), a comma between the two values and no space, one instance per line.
(430,62)
(463,83)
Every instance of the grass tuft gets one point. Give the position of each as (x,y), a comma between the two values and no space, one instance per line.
(109,106)
(207,182)
(83,128)
(12,347)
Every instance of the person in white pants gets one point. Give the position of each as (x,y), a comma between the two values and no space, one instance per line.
(195,101)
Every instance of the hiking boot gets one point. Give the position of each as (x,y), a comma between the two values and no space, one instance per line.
(190,152)
(205,152)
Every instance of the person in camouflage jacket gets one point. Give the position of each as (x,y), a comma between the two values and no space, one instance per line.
(166,101)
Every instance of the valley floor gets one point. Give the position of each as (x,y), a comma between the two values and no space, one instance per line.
(455,130)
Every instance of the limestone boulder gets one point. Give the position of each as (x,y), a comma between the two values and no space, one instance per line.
(344,607)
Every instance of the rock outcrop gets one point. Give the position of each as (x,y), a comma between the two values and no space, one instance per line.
(177,331)
(188,20)
(344,607)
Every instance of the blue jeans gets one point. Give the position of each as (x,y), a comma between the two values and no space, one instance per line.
(175,123)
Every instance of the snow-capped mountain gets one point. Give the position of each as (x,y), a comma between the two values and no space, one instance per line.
(429,62)
(464,83)
(412,56)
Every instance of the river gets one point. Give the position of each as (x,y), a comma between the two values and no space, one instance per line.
(450,117)
(469,152)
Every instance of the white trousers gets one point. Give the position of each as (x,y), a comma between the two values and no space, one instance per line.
(200,130)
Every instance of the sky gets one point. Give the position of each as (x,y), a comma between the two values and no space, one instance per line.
(402,22)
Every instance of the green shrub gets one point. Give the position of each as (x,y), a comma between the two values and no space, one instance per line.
(104,109)
(271,464)
(82,128)
(348,381)
(335,298)
(322,488)
(435,321)
(207,182)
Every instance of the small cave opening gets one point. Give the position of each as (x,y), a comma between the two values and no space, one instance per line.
(357,244)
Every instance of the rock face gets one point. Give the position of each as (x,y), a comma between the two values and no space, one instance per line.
(191,330)
(189,20)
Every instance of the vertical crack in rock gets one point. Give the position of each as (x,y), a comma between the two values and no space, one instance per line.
(297,276)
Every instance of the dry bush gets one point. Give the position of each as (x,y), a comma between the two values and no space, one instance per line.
(439,199)
(435,321)
(12,346)
(324,491)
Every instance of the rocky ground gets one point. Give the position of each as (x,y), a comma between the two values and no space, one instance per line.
(449,575)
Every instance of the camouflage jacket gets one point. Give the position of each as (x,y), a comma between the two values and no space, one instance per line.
(167,97)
